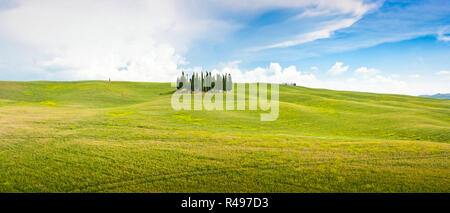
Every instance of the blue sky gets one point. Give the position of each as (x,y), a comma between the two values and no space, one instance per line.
(376,46)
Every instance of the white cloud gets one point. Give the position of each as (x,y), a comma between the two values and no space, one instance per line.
(370,80)
(365,70)
(443,72)
(352,9)
(324,32)
(139,41)
(442,34)
(314,68)
(356,8)
(379,79)
(377,83)
(374,82)
(274,74)
(414,76)
(314,13)
(337,69)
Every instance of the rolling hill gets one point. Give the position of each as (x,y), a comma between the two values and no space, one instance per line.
(96,136)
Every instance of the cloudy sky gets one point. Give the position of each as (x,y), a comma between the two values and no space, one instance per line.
(398,47)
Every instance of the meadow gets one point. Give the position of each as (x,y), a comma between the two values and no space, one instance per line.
(97,136)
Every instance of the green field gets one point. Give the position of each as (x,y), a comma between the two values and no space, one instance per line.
(96,136)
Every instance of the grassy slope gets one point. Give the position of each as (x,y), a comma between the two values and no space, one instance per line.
(124,137)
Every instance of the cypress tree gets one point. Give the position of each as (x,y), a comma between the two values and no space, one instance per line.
(229,83)
(205,82)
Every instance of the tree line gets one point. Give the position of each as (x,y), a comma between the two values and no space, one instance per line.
(205,82)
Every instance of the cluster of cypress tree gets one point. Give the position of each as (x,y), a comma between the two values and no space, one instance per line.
(205,82)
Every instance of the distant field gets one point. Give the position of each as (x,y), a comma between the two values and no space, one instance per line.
(96,136)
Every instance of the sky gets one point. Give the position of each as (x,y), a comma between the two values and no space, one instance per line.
(398,47)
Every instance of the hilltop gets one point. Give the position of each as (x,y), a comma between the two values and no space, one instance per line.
(96,136)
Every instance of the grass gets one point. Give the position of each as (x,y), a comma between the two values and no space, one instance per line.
(95,136)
